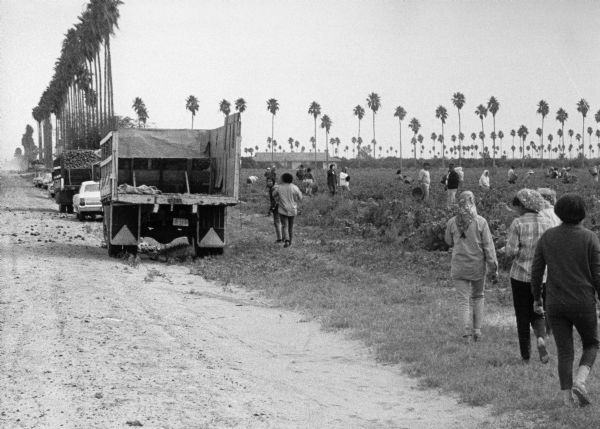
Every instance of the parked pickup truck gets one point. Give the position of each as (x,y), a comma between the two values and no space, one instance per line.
(167,184)
(71,169)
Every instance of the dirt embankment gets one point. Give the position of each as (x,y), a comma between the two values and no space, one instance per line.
(89,341)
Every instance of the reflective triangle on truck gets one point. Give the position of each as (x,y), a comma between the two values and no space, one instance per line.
(124,237)
(211,239)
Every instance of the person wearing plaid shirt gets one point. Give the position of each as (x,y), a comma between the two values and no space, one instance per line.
(523,236)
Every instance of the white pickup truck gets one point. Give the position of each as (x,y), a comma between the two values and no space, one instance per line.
(86,202)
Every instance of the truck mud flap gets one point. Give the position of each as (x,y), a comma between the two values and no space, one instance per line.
(124,222)
(211,227)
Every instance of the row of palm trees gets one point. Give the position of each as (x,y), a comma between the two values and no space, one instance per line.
(80,93)
(492,107)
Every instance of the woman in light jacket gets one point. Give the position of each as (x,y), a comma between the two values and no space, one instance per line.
(473,254)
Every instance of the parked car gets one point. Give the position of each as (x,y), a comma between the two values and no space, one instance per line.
(46,180)
(87,201)
(37,180)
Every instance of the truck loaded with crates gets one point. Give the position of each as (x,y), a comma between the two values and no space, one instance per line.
(165,184)
(70,169)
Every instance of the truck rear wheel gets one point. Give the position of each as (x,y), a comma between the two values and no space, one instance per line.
(113,250)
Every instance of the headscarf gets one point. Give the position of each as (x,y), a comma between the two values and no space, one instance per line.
(531,200)
(467,212)
(549,195)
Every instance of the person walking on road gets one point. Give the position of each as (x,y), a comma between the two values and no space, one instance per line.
(287,195)
(425,181)
(473,254)
(332,179)
(274,209)
(523,236)
(571,253)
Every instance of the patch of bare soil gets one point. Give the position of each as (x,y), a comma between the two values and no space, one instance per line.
(89,341)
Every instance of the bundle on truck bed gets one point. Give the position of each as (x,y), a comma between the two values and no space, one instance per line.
(70,169)
(167,184)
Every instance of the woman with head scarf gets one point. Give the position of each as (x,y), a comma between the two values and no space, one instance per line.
(523,235)
(473,254)
(484,181)
(549,195)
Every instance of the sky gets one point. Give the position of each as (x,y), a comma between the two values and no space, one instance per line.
(414,54)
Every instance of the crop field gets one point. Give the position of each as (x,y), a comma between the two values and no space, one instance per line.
(360,263)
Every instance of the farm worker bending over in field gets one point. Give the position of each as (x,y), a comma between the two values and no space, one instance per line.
(572,255)
(344,179)
(332,179)
(273,209)
(452,182)
(594,172)
(484,181)
(523,235)
(512,176)
(287,195)
(472,251)
(425,181)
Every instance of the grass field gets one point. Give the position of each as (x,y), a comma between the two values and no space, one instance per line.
(358,264)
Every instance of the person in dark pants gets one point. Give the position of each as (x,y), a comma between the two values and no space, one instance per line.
(522,238)
(287,195)
(452,182)
(572,255)
(332,179)
(274,209)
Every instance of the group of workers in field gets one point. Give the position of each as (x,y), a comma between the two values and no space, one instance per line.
(554,275)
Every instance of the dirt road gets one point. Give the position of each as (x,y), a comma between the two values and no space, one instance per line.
(89,341)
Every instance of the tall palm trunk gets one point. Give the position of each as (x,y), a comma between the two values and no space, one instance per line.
(482,144)
(400,128)
(459,139)
(542,140)
(523,153)
(583,142)
(443,148)
(315,148)
(494,143)
(272,137)
(374,138)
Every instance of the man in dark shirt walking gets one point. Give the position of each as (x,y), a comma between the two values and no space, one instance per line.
(452,182)
(332,179)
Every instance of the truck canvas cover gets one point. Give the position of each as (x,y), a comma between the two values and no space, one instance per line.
(153,143)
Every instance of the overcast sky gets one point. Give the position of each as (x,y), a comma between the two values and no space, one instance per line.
(412,53)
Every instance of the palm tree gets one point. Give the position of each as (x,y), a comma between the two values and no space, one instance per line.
(543,110)
(500,136)
(482,111)
(326,123)
(140,109)
(359,112)
(562,116)
(374,103)
(493,106)
(191,104)
(590,131)
(583,107)
(400,113)
(539,132)
(273,107)
(522,133)
(415,126)
(315,110)
(458,99)
(442,114)
(225,108)
(420,139)
(240,105)
(550,139)
(433,139)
